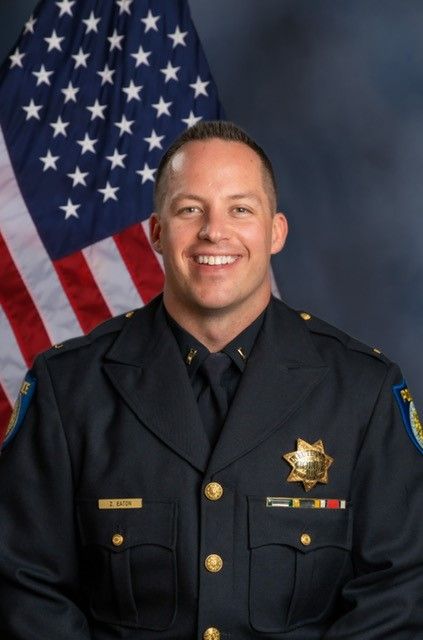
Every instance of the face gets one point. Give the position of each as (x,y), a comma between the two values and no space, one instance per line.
(216,231)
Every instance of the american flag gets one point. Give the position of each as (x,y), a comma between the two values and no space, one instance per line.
(90,97)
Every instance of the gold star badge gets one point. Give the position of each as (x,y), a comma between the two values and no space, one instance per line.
(309,464)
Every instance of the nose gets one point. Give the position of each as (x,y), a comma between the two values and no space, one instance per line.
(215,227)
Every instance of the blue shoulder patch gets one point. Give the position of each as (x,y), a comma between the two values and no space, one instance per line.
(409,414)
(19,410)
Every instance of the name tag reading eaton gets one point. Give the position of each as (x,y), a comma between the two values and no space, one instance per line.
(120,503)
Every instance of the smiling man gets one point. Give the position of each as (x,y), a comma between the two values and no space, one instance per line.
(216,226)
(216,465)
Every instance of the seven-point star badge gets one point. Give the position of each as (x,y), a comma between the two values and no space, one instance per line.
(309,464)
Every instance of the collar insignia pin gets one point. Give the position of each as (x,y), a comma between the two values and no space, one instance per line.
(191,355)
(310,464)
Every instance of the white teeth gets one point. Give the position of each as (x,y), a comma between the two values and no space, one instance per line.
(212,260)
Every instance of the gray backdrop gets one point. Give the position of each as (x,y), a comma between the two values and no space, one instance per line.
(334,93)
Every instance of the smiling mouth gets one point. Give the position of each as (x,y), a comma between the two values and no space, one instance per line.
(215,260)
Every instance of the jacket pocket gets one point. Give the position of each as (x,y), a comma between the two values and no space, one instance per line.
(298,559)
(129,563)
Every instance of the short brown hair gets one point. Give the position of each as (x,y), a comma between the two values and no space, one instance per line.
(206,130)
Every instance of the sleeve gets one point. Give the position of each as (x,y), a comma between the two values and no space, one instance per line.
(384,600)
(39,564)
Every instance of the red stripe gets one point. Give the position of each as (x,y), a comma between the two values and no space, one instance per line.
(333,504)
(5,412)
(80,287)
(20,309)
(140,261)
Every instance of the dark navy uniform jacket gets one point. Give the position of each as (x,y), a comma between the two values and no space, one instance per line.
(114,418)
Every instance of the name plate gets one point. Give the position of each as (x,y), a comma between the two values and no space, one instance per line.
(120,503)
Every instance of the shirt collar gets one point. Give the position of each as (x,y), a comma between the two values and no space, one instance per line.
(194,352)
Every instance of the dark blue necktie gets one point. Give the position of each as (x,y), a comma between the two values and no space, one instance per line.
(213,401)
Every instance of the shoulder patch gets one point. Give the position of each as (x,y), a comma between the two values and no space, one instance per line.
(409,414)
(19,410)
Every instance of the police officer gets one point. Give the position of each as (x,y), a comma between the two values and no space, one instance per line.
(215,465)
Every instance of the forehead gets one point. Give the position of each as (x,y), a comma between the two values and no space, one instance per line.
(215,159)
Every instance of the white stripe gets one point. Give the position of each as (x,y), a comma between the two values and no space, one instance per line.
(146,228)
(13,366)
(112,276)
(31,258)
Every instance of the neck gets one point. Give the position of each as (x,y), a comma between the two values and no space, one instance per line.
(214,328)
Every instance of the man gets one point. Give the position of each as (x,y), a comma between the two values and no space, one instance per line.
(274,493)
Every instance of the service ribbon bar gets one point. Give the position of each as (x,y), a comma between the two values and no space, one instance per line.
(306,503)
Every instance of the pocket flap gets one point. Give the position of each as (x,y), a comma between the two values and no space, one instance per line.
(303,529)
(154,523)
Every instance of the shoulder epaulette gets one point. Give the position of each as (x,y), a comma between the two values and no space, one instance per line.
(316,325)
(109,326)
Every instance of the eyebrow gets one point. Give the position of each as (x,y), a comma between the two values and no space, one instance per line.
(236,196)
(240,196)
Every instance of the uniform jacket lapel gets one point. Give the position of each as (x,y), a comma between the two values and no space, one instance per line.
(146,368)
(282,370)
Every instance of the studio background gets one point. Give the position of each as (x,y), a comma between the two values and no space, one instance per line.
(334,93)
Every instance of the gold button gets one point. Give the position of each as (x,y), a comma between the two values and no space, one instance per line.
(58,346)
(213,563)
(213,491)
(305,539)
(211,634)
(305,316)
(378,351)
(129,314)
(117,540)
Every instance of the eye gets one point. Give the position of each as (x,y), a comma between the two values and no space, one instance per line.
(241,211)
(189,211)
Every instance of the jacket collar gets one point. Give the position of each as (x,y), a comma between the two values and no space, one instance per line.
(145,366)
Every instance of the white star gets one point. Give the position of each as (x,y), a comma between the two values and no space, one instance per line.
(49,161)
(117,159)
(70,92)
(132,91)
(170,72)
(106,75)
(162,107)
(32,110)
(146,173)
(109,192)
(154,141)
(80,58)
(124,6)
(97,110)
(70,209)
(141,57)
(199,87)
(124,125)
(16,59)
(78,177)
(178,37)
(91,23)
(87,144)
(191,120)
(59,127)
(29,26)
(42,76)
(65,6)
(54,41)
(114,40)
(150,22)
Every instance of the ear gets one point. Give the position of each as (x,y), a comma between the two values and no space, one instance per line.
(279,232)
(155,232)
